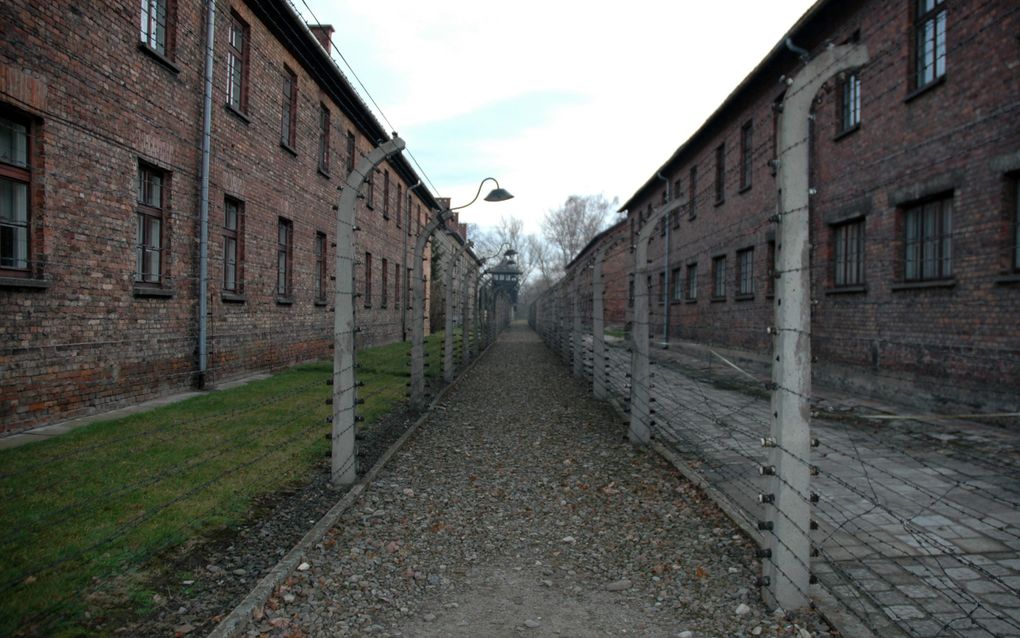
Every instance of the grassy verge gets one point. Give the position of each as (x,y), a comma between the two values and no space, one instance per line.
(106,499)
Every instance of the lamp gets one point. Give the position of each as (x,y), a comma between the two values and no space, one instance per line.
(495,195)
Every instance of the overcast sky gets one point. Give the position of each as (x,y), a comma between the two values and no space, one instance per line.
(552,97)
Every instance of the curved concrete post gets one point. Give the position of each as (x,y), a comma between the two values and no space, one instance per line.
(448,342)
(577,331)
(344,466)
(640,392)
(788,568)
(418,312)
(598,325)
(466,316)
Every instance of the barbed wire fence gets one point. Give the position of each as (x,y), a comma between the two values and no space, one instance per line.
(896,524)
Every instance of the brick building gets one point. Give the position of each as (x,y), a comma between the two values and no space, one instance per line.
(101,175)
(915,216)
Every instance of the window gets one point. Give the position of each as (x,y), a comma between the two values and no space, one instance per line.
(15,181)
(324,139)
(385,283)
(400,202)
(284,257)
(720,173)
(850,103)
(927,241)
(745,272)
(396,285)
(368,280)
(386,196)
(662,288)
(288,116)
(157,26)
(848,254)
(692,193)
(746,154)
(1016,224)
(691,289)
(237,64)
(630,291)
(929,42)
(350,152)
(407,287)
(370,189)
(149,236)
(678,285)
(719,277)
(777,110)
(233,245)
(677,189)
(320,266)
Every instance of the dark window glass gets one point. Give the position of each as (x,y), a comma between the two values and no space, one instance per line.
(368,280)
(323,138)
(288,116)
(691,289)
(678,284)
(149,228)
(720,173)
(746,155)
(848,253)
(233,244)
(929,42)
(850,103)
(719,277)
(320,266)
(15,205)
(745,272)
(350,151)
(284,256)
(927,241)
(237,64)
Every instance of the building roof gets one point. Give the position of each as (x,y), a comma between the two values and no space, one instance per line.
(290,29)
(777,57)
(594,241)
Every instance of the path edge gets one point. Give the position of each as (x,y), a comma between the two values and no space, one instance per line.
(234,622)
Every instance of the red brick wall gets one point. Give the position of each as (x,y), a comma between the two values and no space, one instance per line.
(958,344)
(99,104)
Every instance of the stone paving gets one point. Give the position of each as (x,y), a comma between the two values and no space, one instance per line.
(520,508)
(918,522)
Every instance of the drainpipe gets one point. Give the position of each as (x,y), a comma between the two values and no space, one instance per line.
(407,280)
(665,268)
(203,206)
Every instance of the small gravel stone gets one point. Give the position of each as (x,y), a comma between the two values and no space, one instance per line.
(619,585)
(742,609)
(533,624)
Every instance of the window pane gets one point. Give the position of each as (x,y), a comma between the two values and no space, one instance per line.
(230,215)
(230,263)
(13,201)
(940,45)
(13,143)
(281,270)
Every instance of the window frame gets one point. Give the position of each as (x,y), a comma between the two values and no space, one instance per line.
(386,194)
(1016,223)
(848,104)
(940,243)
(324,135)
(397,299)
(719,278)
(384,301)
(146,212)
(848,244)
(370,189)
(677,294)
(661,290)
(746,155)
(169,28)
(236,235)
(17,174)
(288,111)
(238,64)
(720,173)
(691,283)
(922,17)
(400,203)
(351,151)
(284,259)
(692,197)
(744,282)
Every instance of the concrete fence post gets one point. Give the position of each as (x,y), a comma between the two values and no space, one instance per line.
(640,380)
(788,547)
(344,470)
(598,344)
(417,394)
(577,331)
(466,317)
(448,340)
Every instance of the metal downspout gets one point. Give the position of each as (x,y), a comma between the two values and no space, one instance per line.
(203,215)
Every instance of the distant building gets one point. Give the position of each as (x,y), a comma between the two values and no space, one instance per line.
(915,164)
(101,124)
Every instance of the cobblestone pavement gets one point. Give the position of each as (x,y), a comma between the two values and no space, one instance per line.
(918,521)
(520,509)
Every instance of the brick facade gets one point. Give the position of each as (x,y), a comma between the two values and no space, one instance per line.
(81,334)
(881,325)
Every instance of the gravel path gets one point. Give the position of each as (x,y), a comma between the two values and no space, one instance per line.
(520,508)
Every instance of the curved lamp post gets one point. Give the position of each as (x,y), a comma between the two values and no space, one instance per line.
(418,309)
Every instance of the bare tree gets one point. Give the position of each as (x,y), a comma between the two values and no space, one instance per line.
(570,227)
(509,232)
